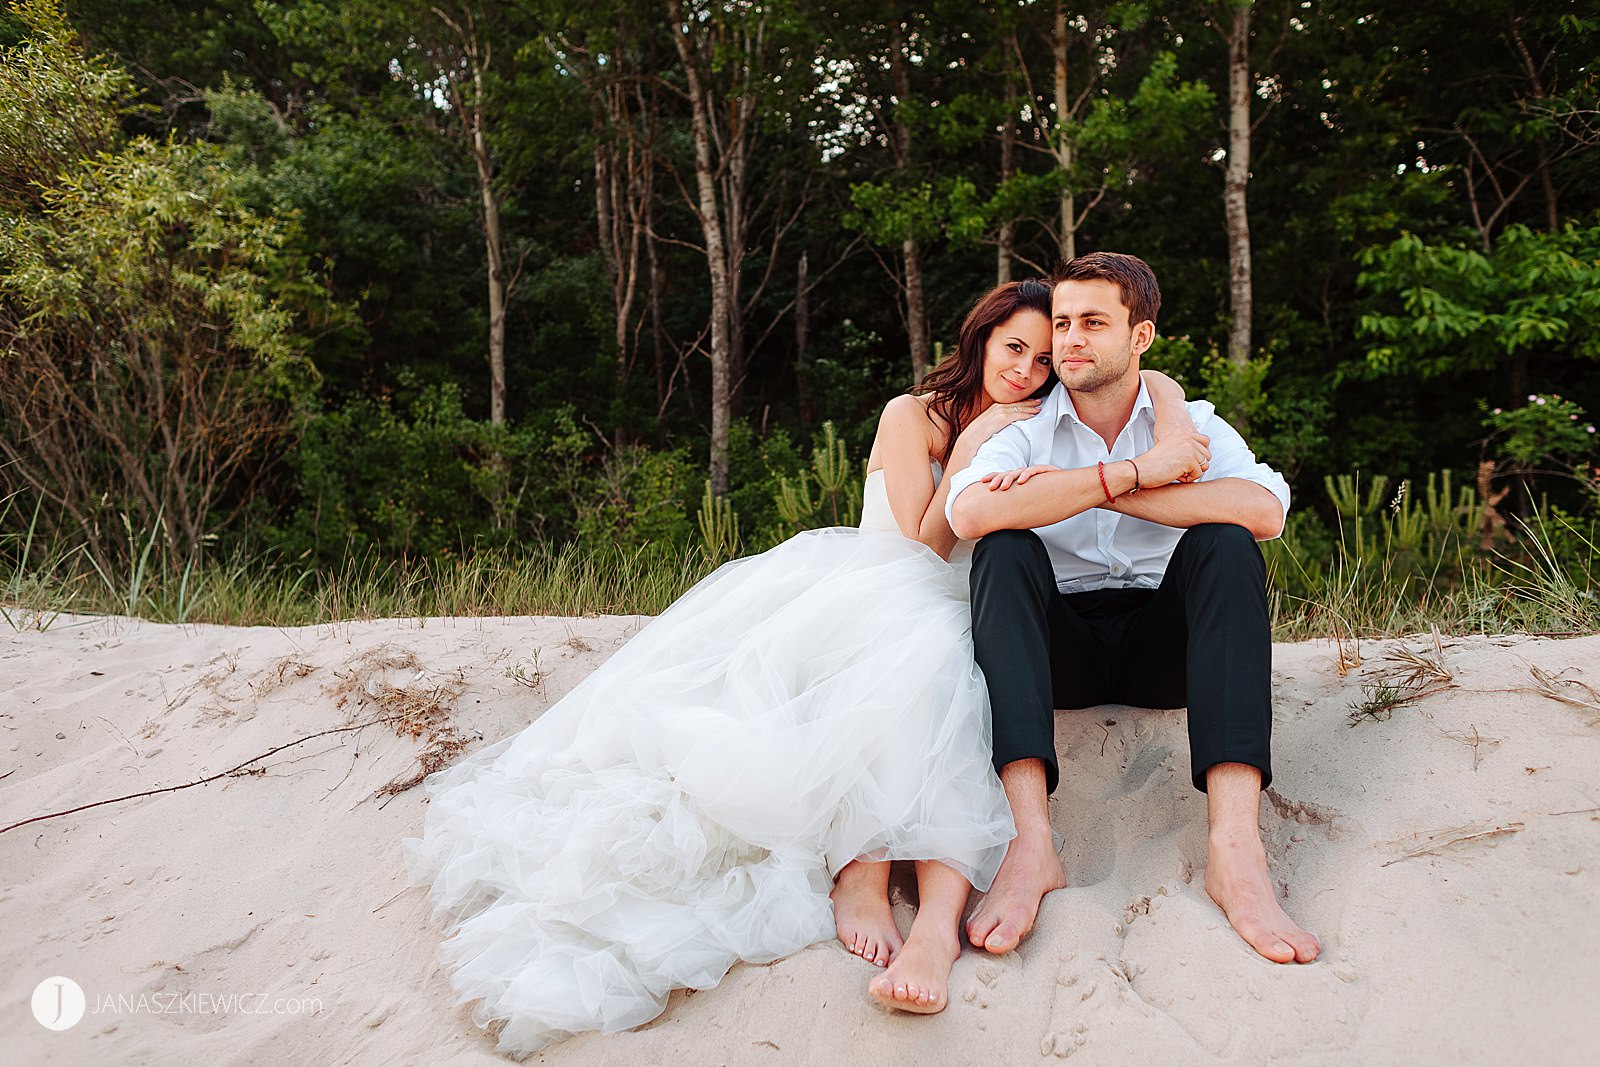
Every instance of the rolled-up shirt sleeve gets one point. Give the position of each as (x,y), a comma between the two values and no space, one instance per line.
(1232,458)
(1007,450)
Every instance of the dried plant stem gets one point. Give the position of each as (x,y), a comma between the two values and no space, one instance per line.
(202,781)
(1439,839)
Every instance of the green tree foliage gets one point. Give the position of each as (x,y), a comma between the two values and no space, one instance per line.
(1454,310)
(278,195)
(151,359)
(60,104)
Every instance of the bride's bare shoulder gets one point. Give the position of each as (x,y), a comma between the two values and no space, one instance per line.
(906,414)
(905,422)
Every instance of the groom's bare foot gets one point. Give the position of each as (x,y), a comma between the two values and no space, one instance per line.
(919,978)
(861,912)
(1238,880)
(1030,870)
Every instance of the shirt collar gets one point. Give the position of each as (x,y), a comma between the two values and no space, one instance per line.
(1065,409)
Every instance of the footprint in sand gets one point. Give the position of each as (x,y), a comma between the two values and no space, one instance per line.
(1096,1006)
(1190,966)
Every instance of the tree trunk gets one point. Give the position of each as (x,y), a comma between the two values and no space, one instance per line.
(716,252)
(734,203)
(1068,238)
(1536,90)
(658,333)
(1552,215)
(802,337)
(1008,167)
(916,313)
(492,246)
(1236,178)
(468,108)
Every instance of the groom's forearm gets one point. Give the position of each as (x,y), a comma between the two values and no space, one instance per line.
(1230,500)
(1046,498)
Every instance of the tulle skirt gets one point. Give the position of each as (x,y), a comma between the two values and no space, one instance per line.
(687,805)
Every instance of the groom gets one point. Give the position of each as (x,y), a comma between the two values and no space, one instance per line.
(1115,568)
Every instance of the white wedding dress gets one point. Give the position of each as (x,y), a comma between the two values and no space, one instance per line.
(686,806)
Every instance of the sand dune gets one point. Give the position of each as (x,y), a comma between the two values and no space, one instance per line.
(1448,857)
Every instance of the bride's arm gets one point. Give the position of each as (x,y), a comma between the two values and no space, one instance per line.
(1172,414)
(906,440)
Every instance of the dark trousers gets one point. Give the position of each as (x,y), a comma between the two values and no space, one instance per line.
(1202,641)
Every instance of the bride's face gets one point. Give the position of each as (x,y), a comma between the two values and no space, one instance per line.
(1016,358)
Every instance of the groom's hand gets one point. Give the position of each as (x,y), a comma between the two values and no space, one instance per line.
(1002,480)
(1182,457)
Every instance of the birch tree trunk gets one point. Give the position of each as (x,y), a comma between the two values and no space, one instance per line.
(658,333)
(1067,239)
(802,336)
(470,108)
(493,248)
(1008,167)
(1236,178)
(916,313)
(911,252)
(705,173)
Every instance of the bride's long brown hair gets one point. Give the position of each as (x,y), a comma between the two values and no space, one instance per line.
(957,382)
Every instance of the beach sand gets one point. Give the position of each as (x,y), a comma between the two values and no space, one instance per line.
(1448,857)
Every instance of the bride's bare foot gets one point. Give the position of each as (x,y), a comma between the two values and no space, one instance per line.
(1007,913)
(861,912)
(919,978)
(1238,880)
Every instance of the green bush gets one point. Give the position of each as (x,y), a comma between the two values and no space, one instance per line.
(412,475)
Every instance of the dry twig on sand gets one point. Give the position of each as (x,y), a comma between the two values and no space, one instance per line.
(1551,685)
(1428,841)
(421,712)
(240,769)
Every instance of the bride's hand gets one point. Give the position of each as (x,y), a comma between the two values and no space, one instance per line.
(996,418)
(1003,480)
(1172,414)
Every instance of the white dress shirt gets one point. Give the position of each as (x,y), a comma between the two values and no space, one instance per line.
(1099,548)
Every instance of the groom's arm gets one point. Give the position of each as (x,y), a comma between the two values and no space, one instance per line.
(1046,498)
(1234,489)
(1050,495)
(1231,500)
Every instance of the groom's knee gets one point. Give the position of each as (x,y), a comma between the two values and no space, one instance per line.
(1219,538)
(1004,548)
(1230,550)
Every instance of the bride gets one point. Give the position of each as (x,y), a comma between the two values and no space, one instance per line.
(801,716)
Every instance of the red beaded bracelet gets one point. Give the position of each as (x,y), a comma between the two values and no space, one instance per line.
(1104,488)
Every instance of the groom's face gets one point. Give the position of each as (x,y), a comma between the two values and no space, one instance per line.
(1093,343)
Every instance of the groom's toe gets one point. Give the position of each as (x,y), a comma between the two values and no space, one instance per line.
(1003,938)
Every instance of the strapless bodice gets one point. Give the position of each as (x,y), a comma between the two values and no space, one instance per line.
(876,514)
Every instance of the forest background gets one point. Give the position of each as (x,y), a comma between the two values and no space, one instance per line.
(311,309)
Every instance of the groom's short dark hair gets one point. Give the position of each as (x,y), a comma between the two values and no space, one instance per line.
(1130,274)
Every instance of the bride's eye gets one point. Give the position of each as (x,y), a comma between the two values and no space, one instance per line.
(1014,346)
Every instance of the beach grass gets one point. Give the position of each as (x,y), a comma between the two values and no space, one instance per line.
(1379,593)
(1531,588)
(569,580)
